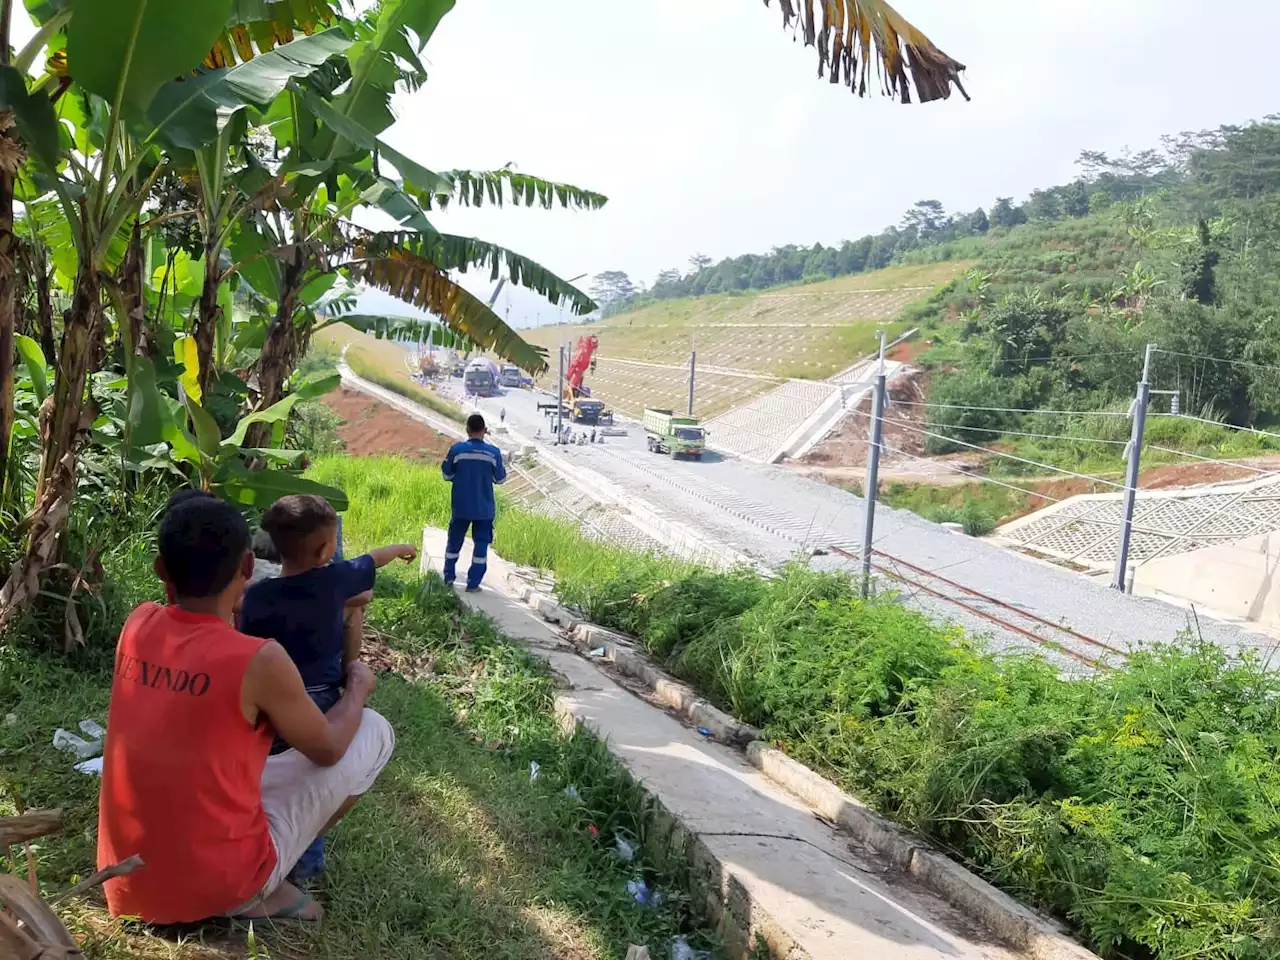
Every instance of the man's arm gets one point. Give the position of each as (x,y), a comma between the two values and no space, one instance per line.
(447,468)
(500,469)
(273,689)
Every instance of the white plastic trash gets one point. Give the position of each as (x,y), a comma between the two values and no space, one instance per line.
(637,952)
(625,850)
(534,768)
(83,749)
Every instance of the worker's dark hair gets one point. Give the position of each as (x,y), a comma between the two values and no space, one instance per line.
(294,521)
(202,543)
(475,424)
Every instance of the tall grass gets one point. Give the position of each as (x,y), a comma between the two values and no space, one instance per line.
(393,499)
(1142,805)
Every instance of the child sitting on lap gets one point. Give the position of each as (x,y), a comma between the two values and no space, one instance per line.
(314,609)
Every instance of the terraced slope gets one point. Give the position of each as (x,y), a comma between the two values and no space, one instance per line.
(747,343)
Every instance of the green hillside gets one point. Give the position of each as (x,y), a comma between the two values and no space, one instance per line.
(810,330)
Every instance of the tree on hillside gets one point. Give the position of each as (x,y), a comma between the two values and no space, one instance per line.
(1075,199)
(670,276)
(1005,214)
(699,261)
(1197,272)
(611,287)
(925,217)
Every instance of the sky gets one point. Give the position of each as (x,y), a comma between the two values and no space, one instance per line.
(706,125)
(709,131)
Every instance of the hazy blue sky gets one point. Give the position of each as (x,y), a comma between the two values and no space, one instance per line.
(709,131)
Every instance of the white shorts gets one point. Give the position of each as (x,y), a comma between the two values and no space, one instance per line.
(300,797)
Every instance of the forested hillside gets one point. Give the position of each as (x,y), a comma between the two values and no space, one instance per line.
(1177,246)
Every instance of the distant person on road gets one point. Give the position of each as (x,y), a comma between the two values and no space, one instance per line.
(502,416)
(473,467)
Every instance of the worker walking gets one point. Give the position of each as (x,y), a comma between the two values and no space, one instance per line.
(502,416)
(473,467)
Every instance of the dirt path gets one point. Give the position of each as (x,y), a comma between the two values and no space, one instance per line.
(372,428)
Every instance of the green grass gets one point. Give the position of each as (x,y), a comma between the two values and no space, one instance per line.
(455,853)
(979,506)
(1138,804)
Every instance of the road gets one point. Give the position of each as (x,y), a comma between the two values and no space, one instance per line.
(774,515)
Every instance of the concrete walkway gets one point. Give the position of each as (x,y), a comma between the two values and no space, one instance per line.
(784,869)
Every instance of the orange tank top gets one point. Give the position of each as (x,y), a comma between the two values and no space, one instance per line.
(182,770)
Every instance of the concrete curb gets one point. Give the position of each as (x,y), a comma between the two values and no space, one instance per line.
(1009,921)
(1018,926)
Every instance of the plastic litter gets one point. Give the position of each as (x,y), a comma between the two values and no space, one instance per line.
(597,652)
(10,719)
(83,749)
(680,950)
(92,767)
(642,895)
(637,952)
(705,732)
(593,830)
(626,851)
(572,792)
(92,729)
(534,768)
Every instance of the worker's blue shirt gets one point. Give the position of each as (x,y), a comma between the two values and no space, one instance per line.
(473,467)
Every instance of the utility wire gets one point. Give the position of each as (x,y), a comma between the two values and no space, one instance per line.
(1218,423)
(1016,433)
(1238,363)
(961,406)
(971,476)
(1008,456)
(1225,463)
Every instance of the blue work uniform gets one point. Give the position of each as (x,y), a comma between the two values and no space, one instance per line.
(473,467)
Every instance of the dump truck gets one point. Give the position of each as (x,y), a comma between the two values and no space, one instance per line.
(510,376)
(481,377)
(666,432)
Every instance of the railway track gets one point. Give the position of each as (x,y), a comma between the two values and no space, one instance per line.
(1030,626)
(808,535)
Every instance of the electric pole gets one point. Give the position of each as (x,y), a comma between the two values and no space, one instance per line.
(873,468)
(693,362)
(1133,453)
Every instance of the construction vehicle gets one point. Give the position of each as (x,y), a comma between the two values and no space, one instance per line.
(665,432)
(510,376)
(577,396)
(480,378)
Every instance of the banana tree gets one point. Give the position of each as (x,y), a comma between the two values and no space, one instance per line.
(120,53)
(855,34)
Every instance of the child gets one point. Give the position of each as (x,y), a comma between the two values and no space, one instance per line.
(314,609)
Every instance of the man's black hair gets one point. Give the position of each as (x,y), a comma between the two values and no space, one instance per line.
(294,520)
(475,424)
(202,543)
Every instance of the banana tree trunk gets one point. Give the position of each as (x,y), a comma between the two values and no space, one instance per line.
(207,319)
(38,274)
(279,352)
(62,422)
(8,310)
(132,292)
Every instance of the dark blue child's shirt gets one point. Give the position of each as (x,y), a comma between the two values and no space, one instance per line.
(304,613)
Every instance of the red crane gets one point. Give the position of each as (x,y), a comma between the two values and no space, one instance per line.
(583,355)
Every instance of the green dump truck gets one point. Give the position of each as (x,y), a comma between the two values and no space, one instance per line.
(679,436)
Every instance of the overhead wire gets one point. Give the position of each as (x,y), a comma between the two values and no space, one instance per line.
(997,453)
(1225,463)
(1201,356)
(1219,423)
(971,476)
(1025,410)
(1017,433)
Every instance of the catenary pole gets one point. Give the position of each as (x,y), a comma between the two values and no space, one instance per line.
(873,468)
(1133,453)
